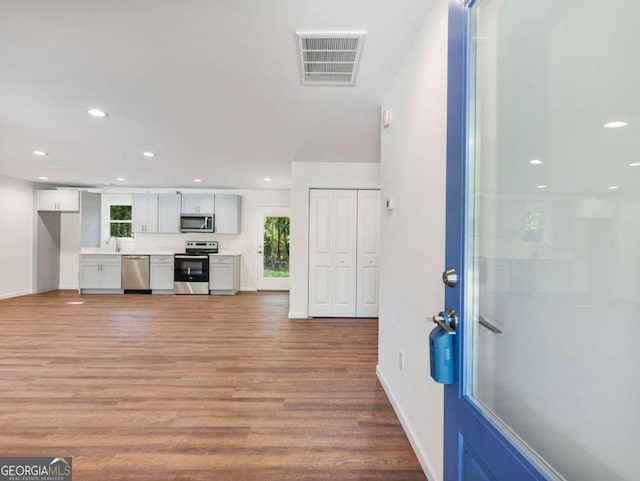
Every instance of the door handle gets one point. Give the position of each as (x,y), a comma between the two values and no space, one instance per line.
(484,323)
(447,320)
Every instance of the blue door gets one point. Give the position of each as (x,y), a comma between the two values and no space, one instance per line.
(543,229)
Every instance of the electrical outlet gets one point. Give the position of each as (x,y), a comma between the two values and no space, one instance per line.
(401,360)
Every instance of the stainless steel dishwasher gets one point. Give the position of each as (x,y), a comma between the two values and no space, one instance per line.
(135,274)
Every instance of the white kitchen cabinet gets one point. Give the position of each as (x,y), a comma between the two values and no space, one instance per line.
(112,275)
(58,200)
(169,208)
(227,212)
(224,274)
(343,253)
(144,215)
(90,275)
(161,273)
(198,204)
(100,272)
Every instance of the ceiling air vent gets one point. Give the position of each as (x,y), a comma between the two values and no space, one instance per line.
(329,58)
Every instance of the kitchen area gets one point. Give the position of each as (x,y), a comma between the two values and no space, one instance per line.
(200,269)
(117,241)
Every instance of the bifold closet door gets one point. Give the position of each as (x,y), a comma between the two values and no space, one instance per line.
(368,253)
(332,252)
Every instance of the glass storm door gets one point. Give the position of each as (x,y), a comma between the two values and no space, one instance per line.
(543,229)
(273,250)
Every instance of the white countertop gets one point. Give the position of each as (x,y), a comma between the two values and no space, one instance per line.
(146,252)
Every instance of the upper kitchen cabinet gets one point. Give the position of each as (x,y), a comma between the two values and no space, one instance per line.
(169,208)
(198,203)
(145,213)
(227,211)
(58,200)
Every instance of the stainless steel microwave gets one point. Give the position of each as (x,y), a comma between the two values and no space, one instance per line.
(196,222)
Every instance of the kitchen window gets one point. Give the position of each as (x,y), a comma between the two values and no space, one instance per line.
(120,220)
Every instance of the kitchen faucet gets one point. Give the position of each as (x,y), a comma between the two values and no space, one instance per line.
(117,243)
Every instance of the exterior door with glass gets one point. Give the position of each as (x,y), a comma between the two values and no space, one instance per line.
(273,248)
(543,194)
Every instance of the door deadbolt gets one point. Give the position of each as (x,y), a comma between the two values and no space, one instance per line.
(450,277)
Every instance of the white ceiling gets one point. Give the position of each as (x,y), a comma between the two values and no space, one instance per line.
(211,86)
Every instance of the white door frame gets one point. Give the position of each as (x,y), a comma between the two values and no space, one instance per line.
(269,283)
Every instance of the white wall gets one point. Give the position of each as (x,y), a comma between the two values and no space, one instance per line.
(16,237)
(47,252)
(246,242)
(413,162)
(69,249)
(304,176)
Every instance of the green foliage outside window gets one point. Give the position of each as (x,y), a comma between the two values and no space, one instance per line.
(120,218)
(276,247)
(533,226)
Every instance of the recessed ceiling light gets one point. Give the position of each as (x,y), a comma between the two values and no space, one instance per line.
(535,162)
(121,179)
(634,164)
(541,186)
(615,125)
(613,187)
(97,113)
(40,152)
(75,303)
(149,154)
(267,179)
(43,178)
(197,181)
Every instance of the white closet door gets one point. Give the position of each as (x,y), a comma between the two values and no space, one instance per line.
(345,211)
(368,253)
(332,253)
(320,253)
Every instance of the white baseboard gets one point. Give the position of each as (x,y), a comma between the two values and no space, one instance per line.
(69,288)
(248,289)
(297,315)
(15,294)
(426,465)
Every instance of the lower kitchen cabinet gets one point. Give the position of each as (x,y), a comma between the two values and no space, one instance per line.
(224,274)
(162,274)
(100,272)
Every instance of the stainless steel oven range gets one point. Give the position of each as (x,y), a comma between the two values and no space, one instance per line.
(191,268)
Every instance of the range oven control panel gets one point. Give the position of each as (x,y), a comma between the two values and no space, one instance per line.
(201,247)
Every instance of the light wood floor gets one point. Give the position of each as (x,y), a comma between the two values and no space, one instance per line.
(156,388)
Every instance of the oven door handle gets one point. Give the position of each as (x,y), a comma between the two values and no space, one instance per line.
(191,257)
